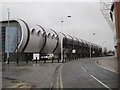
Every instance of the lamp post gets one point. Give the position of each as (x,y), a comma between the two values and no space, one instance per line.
(91,47)
(8,35)
(104,48)
(62,38)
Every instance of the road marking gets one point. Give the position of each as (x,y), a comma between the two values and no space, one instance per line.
(61,83)
(57,82)
(100,82)
(84,69)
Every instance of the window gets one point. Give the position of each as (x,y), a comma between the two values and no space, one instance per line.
(32,31)
(53,36)
(48,34)
(44,33)
(38,33)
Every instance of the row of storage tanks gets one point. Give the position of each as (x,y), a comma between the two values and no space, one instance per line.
(36,39)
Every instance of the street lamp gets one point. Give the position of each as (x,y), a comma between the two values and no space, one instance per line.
(62,38)
(103,48)
(91,47)
(8,35)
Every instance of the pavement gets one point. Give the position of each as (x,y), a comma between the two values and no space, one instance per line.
(110,63)
(39,75)
(86,73)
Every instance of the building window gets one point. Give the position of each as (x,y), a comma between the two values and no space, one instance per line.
(53,36)
(48,34)
(44,33)
(38,33)
(32,31)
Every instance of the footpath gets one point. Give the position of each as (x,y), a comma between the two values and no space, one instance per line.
(111,63)
(29,75)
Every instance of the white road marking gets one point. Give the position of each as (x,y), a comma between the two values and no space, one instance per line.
(84,69)
(100,82)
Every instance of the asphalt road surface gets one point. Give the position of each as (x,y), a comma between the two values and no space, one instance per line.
(84,74)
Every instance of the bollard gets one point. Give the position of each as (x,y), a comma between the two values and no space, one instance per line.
(52,60)
(62,61)
(58,60)
(8,61)
(36,59)
(26,61)
(44,61)
(97,62)
(17,61)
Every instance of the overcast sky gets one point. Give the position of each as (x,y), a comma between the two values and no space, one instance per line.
(86,19)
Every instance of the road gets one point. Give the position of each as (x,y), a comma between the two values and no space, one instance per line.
(84,73)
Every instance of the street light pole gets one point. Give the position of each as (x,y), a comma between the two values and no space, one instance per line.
(91,47)
(62,38)
(103,49)
(8,35)
(61,41)
(90,50)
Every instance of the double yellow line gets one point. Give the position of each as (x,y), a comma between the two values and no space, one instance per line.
(59,82)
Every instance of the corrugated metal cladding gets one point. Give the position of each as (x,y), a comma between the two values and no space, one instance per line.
(26,38)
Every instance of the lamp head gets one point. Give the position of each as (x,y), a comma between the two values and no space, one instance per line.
(69,16)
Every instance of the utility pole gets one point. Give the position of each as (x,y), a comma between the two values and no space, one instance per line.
(117,22)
